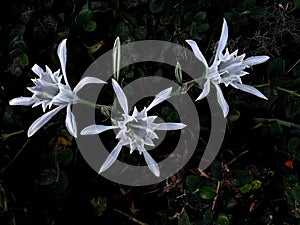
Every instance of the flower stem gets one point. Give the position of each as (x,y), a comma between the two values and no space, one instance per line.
(105,110)
(288,91)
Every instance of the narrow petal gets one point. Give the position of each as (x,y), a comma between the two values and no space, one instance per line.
(70,122)
(170,126)
(87,80)
(221,100)
(205,90)
(116,58)
(160,97)
(254,60)
(112,157)
(62,55)
(96,129)
(151,163)
(250,89)
(120,96)
(42,121)
(197,52)
(22,101)
(222,41)
(37,70)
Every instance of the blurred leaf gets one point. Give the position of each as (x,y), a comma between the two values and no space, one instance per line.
(293,144)
(193,183)
(277,134)
(116,4)
(90,26)
(208,216)
(15,53)
(275,67)
(166,19)
(188,18)
(243,176)
(207,192)
(258,13)
(61,184)
(296,193)
(290,180)
(65,156)
(222,219)
(130,74)
(123,30)
(99,204)
(166,110)
(216,169)
(94,48)
(231,203)
(246,188)
(200,17)
(197,30)
(296,70)
(156,6)
(83,17)
(141,32)
(292,107)
(297,4)
(19,45)
(47,177)
(234,115)
(24,61)
(184,219)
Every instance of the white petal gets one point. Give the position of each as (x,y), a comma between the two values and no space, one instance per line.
(222,41)
(221,100)
(62,55)
(254,60)
(151,163)
(170,126)
(37,70)
(197,52)
(250,89)
(70,122)
(160,97)
(42,121)
(205,90)
(22,101)
(48,70)
(87,80)
(116,58)
(96,129)
(112,157)
(120,96)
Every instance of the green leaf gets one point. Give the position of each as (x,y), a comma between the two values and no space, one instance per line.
(296,193)
(123,30)
(231,203)
(24,61)
(277,133)
(83,17)
(198,30)
(256,184)
(275,67)
(200,17)
(188,18)
(222,219)
(292,106)
(15,53)
(193,182)
(116,4)
(297,4)
(90,26)
(19,45)
(293,144)
(208,216)
(246,188)
(184,219)
(207,192)
(242,175)
(65,156)
(130,74)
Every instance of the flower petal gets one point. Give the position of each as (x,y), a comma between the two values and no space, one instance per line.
(221,100)
(112,157)
(96,129)
(197,52)
(170,126)
(222,41)
(120,96)
(250,89)
(70,122)
(62,55)
(254,60)
(42,121)
(87,80)
(205,90)
(22,101)
(151,163)
(37,70)
(160,97)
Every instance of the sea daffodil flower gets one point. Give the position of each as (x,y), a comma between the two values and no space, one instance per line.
(227,68)
(49,90)
(136,130)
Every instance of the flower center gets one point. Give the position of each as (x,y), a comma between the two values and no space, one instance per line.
(137,129)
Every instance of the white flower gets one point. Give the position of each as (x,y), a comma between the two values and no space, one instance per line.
(226,68)
(49,90)
(136,130)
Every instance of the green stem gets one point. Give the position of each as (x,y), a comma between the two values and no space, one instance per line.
(280,122)
(288,91)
